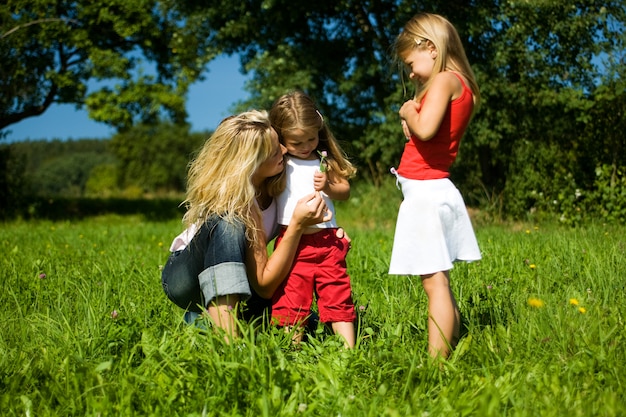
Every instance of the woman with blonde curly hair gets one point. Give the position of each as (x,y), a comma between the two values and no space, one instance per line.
(221,259)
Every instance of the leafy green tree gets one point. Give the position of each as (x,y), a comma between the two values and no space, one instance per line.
(103,181)
(124,60)
(337,51)
(551,77)
(154,157)
(540,80)
(12,181)
(66,175)
(538,62)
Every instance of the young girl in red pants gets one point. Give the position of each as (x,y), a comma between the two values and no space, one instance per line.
(314,162)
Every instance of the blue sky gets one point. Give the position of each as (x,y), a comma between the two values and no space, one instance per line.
(208,103)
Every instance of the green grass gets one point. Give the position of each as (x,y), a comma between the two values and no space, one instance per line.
(96,335)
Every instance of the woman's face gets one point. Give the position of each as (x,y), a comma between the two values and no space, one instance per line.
(273,165)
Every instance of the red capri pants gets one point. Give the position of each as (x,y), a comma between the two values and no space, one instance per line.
(320,266)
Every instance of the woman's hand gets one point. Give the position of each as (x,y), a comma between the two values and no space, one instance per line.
(266,274)
(311,210)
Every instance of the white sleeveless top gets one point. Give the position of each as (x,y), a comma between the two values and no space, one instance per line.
(181,241)
(269,221)
(300,183)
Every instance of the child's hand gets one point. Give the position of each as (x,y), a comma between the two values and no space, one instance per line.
(405,130)
(409,109)
(320,179)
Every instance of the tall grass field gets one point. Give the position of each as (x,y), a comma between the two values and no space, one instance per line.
(88,331)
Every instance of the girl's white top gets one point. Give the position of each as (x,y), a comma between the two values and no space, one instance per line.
(300,183)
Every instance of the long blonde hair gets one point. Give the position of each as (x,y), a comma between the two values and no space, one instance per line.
(219,181)
(296,110)
(424,28)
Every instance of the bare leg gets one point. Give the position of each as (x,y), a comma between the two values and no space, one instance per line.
(444,318)
(298,333)
(223,316)
(346,330)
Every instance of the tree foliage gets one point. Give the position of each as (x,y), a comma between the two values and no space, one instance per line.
(146,159)
(124,60)
(548,134)
(544,69)
(154,157)
(54,168)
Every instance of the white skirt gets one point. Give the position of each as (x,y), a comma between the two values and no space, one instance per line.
(433,229)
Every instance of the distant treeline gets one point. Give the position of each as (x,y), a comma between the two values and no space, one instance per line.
(146,162)
(149,163)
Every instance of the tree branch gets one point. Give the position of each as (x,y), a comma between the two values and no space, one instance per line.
(29,111)
(37,22)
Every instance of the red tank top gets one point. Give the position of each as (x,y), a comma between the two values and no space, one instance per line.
(431,159)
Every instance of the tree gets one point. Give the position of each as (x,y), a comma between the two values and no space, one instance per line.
(550,73)
(66,175)
(538,63)
(311,46)
(126,61)
(154,157)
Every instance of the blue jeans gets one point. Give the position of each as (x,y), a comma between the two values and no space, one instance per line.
(212,265)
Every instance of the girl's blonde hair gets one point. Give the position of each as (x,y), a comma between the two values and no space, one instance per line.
(219,181)
(296,110)
(426,29)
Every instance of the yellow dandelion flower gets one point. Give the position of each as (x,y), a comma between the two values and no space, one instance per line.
(527,231)
(532,266)
(535,302)
(582,310)
(573,301)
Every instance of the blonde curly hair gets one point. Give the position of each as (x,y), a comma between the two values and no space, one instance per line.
(219,180)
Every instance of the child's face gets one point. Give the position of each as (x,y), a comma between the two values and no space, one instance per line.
(301,143)
(420,63)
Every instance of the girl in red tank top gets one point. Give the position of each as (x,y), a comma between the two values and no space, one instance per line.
(433,228)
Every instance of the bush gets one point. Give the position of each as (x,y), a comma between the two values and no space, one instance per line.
(609,195)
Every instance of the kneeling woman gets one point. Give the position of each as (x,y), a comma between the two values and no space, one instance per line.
(221,258)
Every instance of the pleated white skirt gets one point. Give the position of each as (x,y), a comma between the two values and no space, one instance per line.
(433,229)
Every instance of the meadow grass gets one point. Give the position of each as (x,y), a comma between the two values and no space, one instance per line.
(88,331)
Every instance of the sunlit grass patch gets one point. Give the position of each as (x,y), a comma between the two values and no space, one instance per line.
(87,330)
